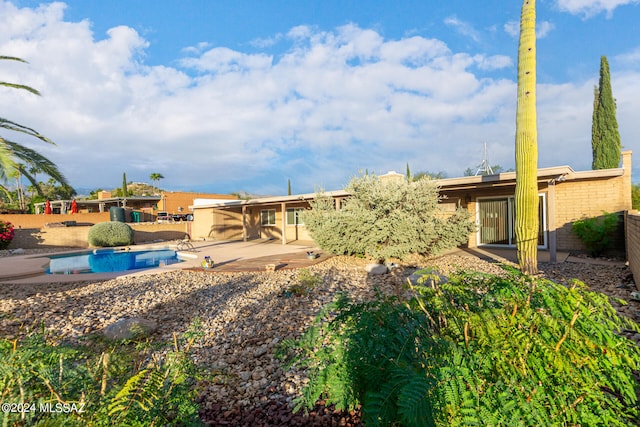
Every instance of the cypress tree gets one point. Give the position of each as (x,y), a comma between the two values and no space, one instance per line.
(605,138)
(125,191)
(288,187)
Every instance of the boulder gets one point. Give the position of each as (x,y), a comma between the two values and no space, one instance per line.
(130,328)
(375,269)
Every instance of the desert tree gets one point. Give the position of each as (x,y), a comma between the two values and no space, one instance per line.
(387,219)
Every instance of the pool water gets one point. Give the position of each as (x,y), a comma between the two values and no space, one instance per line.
(110,260)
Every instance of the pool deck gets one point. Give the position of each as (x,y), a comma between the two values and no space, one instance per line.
(228,256)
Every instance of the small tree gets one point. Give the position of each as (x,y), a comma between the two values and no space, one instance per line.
(125,191)
(385,219)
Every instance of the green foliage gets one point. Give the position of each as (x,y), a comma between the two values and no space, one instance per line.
(596,233)
(13,155)
(7,233)
(112,233)
(476,350)
(605,138)
(124,190)
(384,219)
(307,281)
(635,196)
(99,384)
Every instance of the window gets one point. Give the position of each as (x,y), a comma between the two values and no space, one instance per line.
(294,216)
(268,217)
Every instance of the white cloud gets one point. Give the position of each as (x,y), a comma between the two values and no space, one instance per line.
(333,103)
(589,8)
(464,28)
(629,58)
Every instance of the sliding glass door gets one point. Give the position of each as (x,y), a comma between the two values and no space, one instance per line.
(496,221)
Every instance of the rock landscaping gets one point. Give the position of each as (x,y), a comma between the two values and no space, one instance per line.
(244,317)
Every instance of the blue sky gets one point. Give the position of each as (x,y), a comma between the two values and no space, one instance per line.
(228,96)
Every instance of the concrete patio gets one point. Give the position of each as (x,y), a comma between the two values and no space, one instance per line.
(232,256)
(226,255)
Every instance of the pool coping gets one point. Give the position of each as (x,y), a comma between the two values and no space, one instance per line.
(31,268)
(24,268)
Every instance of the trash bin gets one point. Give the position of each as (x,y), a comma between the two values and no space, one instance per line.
(135,216)
(116,214)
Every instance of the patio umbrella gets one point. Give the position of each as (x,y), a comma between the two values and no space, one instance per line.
(47,208)
(74,206)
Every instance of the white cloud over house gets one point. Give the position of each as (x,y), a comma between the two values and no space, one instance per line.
(332,103)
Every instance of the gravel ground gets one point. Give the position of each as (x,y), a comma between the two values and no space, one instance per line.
(244,317)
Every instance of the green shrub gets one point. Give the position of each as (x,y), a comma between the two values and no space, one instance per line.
(596,233)
(477,350)
(98,384)
(111,233)
(307,281)
(385,219)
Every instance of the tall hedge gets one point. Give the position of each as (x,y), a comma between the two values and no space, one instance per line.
(386,219)
(605,138)
(113,233)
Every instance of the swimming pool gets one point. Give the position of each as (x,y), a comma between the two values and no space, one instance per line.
(110,260)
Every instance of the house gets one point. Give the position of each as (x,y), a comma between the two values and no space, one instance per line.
(565,196)
(173,202)
(181,202)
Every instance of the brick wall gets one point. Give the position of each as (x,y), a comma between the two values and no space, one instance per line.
(33,238)
(588,198)
(632,231)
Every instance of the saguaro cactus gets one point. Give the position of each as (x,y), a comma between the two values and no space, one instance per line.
(526,197)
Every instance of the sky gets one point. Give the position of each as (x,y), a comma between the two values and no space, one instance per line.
(244,95)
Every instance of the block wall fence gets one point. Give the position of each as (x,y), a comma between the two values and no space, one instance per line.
(42,231)
(632,232)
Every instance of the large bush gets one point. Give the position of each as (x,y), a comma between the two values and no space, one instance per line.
(111,233)
(385,219)
(478,350)
(596,233)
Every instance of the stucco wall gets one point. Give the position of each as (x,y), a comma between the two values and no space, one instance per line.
(38,221)
(33,238)
(226,224)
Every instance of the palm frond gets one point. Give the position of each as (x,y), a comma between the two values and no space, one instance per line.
(15,85)
(13,58)
(31,156)
(9,125)
(19,86)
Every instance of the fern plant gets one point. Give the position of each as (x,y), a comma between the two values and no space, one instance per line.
(477,350)
(113,384)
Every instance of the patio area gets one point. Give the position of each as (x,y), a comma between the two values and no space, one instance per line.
(235,256)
